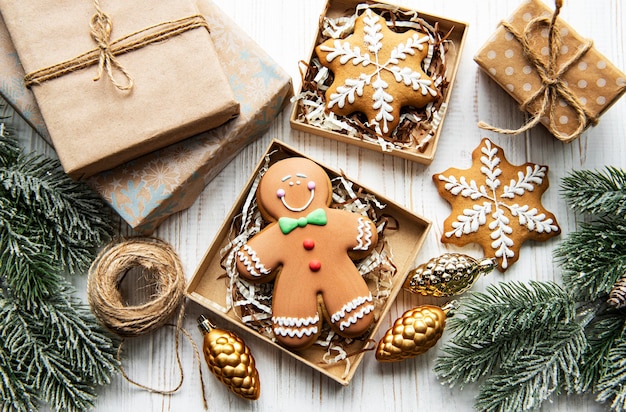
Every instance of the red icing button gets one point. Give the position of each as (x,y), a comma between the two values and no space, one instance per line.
(308,244)
(315,265)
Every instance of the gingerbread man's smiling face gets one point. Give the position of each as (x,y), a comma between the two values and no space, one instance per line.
(293,187)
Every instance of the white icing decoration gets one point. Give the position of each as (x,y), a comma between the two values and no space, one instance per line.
(495,204)
(306,205)
(291,321)
(252,262)
(295,332)
(373,39)
(354,318)
(292,327)
(364,237)
(533,176)
(350,306)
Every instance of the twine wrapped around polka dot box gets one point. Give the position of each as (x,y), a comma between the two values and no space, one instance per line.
(554,74)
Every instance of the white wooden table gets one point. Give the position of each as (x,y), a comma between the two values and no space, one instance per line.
(286,29)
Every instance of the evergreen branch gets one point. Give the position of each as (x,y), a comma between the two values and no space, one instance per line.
(27,267)
(53,350)
(9,150)
(602,333)
(545,369)
(593,259)
(79,338)
(32,281)
(61,363)
(511,307)
(596,192)
(16,395)
(612,384)
(69,212)
(523,339)
(468,361)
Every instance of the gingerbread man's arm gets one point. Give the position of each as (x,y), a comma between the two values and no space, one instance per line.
(361,230)
(259,257)
(367,236)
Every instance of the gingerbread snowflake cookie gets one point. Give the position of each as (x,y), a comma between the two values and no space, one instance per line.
(377,72)
(496,204)
(307,249)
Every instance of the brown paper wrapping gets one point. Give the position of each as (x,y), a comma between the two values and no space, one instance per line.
(179,86)
(592,79)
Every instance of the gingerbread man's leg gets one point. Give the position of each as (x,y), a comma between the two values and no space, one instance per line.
(295,317)
(349,304)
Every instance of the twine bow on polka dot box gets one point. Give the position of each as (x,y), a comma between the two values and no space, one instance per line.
(556,75)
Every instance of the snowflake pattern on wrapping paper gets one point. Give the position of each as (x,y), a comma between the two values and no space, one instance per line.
(496,204)
(380,83)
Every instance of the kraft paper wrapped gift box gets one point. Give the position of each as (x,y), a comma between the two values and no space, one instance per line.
(179,88)
(147,190)
(384,270)
(587,75)
(422,132)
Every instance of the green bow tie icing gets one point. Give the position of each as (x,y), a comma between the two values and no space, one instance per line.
(316,217)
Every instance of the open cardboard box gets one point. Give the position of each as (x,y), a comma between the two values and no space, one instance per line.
(457,33)
(208,286)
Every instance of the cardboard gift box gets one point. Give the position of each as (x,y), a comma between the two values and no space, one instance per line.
(585,83)
(212,283)
(149,189)
(164,48)
(417,136)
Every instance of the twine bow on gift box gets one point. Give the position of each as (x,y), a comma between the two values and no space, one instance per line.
(101,27)
(553,86)
(105,54)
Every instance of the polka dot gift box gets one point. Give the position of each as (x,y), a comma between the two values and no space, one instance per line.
(555,75)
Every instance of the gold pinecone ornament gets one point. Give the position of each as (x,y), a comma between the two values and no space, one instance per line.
(412,334)
(447,275)
(230,360)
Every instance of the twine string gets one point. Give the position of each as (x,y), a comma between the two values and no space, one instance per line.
(101,27)
(159,259)
(553,87)
(104,55)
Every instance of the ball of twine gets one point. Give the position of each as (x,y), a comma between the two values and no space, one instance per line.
(155,257)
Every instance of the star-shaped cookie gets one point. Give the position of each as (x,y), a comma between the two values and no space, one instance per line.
(377,71)
(496,204)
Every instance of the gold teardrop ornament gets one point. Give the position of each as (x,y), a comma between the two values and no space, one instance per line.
(230,360)
(447,275)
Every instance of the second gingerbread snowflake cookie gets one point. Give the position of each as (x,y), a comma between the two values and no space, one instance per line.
(377,72)
(496,204)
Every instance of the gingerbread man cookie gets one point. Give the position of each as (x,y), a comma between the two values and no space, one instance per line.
(307,249)
(377,72)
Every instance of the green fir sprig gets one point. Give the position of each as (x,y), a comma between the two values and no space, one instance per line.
(521,342)
(53,351)
(594,257)
(599,193)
